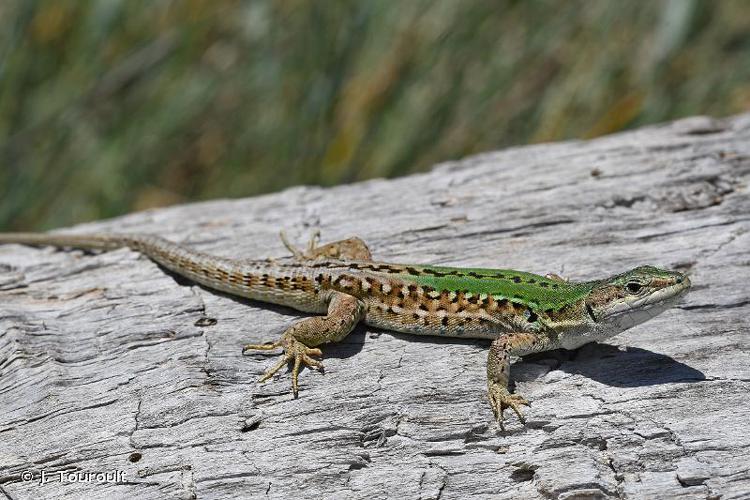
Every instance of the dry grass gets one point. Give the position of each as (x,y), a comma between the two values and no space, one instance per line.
(111,106)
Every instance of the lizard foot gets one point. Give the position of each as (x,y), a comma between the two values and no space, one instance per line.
(500,399)
(294,350)
(350,248)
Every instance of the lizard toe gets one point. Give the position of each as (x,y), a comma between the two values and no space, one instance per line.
(501,399)
(293,351)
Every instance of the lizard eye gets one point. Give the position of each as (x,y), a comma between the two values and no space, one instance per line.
(634,287)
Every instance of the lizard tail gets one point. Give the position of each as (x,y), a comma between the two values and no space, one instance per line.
(259,280)
(185,261)
(165,252)
(65,240)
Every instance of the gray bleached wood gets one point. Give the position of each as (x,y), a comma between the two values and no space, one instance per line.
(108,363)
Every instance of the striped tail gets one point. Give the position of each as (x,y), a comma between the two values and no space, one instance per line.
(291,285)
(182,260)
(171,255)
(197,266)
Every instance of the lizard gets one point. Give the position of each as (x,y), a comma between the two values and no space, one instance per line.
(520,312)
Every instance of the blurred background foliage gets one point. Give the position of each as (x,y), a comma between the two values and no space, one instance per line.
(117,105)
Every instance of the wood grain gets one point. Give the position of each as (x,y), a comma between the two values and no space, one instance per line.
(109,363)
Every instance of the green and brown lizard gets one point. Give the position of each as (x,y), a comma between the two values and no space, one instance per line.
(520,312)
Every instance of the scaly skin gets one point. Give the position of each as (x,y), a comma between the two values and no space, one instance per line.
(521,312)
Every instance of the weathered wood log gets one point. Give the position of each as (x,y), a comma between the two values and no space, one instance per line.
(109,363)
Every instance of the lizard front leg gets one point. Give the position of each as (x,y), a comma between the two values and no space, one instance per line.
(299,341)
(498,371)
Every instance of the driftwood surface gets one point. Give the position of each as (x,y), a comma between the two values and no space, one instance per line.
(109,363)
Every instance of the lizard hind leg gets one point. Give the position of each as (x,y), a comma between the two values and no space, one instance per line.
(349,249)
(299,341)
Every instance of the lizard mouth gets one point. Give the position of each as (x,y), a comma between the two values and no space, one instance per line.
(667,294)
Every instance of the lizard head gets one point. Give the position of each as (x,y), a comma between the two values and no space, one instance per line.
(628,299)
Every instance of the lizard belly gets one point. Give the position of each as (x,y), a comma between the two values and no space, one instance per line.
(308,302)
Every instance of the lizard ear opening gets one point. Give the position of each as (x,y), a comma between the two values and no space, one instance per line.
(590,311)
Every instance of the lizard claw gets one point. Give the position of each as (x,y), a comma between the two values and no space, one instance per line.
(500,399)
(295,351)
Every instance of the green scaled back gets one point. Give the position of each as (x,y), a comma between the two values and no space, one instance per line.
(530,289)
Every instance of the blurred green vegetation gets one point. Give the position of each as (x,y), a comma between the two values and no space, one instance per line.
(117,105)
